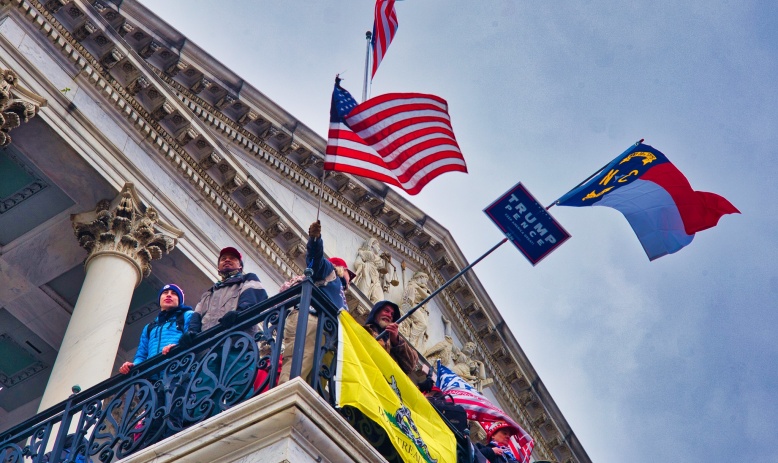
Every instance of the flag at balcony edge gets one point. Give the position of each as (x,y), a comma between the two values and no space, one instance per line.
(403,139)
(384,27)
(370,380)
(481,409)
(655,197)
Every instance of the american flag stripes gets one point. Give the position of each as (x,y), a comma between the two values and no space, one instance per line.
(384,28)
(404,139)
(479,408)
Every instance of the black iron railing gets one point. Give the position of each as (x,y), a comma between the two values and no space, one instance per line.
(166,394)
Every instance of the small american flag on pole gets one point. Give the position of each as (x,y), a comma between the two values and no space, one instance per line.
(403,139)
(480,409)
(384,28)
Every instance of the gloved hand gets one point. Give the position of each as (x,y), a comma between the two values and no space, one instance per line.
(314,231)
(187,339)
(229,319)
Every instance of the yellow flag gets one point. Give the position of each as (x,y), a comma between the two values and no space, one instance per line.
(371,381)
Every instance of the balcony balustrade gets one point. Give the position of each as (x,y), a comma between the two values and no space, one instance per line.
(169,393)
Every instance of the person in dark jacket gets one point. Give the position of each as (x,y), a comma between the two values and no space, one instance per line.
(332,276)
(382,317)
(498,449)
(175,322)
(235,291)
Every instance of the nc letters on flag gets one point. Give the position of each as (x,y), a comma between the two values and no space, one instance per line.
(403,139)
(655,197)
(481,409)
(369,379)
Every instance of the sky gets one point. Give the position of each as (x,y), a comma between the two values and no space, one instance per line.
(670,360)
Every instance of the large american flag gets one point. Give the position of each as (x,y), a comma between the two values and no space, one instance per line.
(480,409)
(384,28)
(404,139)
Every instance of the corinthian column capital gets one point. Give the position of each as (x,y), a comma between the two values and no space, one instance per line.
(123,229)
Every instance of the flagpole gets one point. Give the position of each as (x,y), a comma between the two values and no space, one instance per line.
(368,37)
(595,174)
(445,285)
(321,192)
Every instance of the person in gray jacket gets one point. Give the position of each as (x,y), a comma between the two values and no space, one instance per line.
(235,291)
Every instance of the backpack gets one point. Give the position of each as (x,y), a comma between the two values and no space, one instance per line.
(454,414)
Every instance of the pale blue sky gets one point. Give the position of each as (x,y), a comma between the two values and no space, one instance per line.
(672,360)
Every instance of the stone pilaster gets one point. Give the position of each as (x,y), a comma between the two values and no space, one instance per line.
(122,240)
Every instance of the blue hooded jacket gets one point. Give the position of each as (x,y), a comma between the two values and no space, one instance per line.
(164,330)
(322,270)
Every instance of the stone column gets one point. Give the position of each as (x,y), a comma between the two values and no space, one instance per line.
(122,241)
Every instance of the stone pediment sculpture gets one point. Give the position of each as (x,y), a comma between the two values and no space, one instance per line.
(460,361)
(368,266)
(13,109)
(414,329)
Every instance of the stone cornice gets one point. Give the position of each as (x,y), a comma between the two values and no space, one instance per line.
(363,203)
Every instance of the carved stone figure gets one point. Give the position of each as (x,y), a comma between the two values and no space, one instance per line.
(460,361)
(470,369)
(367,266)
(442,350)
(415,327)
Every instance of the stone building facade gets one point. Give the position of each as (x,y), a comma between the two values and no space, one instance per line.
(131,156)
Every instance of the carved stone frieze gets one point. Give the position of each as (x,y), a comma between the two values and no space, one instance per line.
(224,101)
(126,29)
(164,110)
(518,381)
(55,5)
(84,31)
(310,160)
(256,206)
(137,85)
(211,160)
(187,136)
(444,263)
(17,105)
(296,250)
(476,314)
(109,14)
(110,59)
(526,397)
(120,227)
(413,233)
(149,49)
(232,183)
(276,229)
(491,338)
(485,331)
(198,85)
(247,118)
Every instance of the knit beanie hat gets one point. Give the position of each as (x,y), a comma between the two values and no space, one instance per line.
(175,289)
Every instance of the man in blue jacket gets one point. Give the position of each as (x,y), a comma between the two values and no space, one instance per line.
(175,323)
(332,276)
